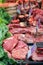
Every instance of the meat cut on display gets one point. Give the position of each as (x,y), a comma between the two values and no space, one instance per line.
(17,50)
(20,53)
(10,43)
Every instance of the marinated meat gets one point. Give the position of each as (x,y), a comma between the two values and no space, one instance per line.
(10,43)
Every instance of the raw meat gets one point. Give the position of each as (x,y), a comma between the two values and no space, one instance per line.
(15,48)
(10,43)
(20,53)
(25,37)
(21,44)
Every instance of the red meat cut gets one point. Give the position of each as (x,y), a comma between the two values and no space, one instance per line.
(19,53)
(10,43)
(21,44)
(28,38)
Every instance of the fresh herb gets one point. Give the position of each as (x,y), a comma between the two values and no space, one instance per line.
(3,32)
(2,63)
(1,52)
(4,16)
(2,1)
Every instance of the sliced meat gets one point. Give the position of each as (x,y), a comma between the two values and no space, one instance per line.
(19,53)
(10,43)
(21,44)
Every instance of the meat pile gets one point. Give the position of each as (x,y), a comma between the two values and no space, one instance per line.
(31,33)
(14,26)
(15,48)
